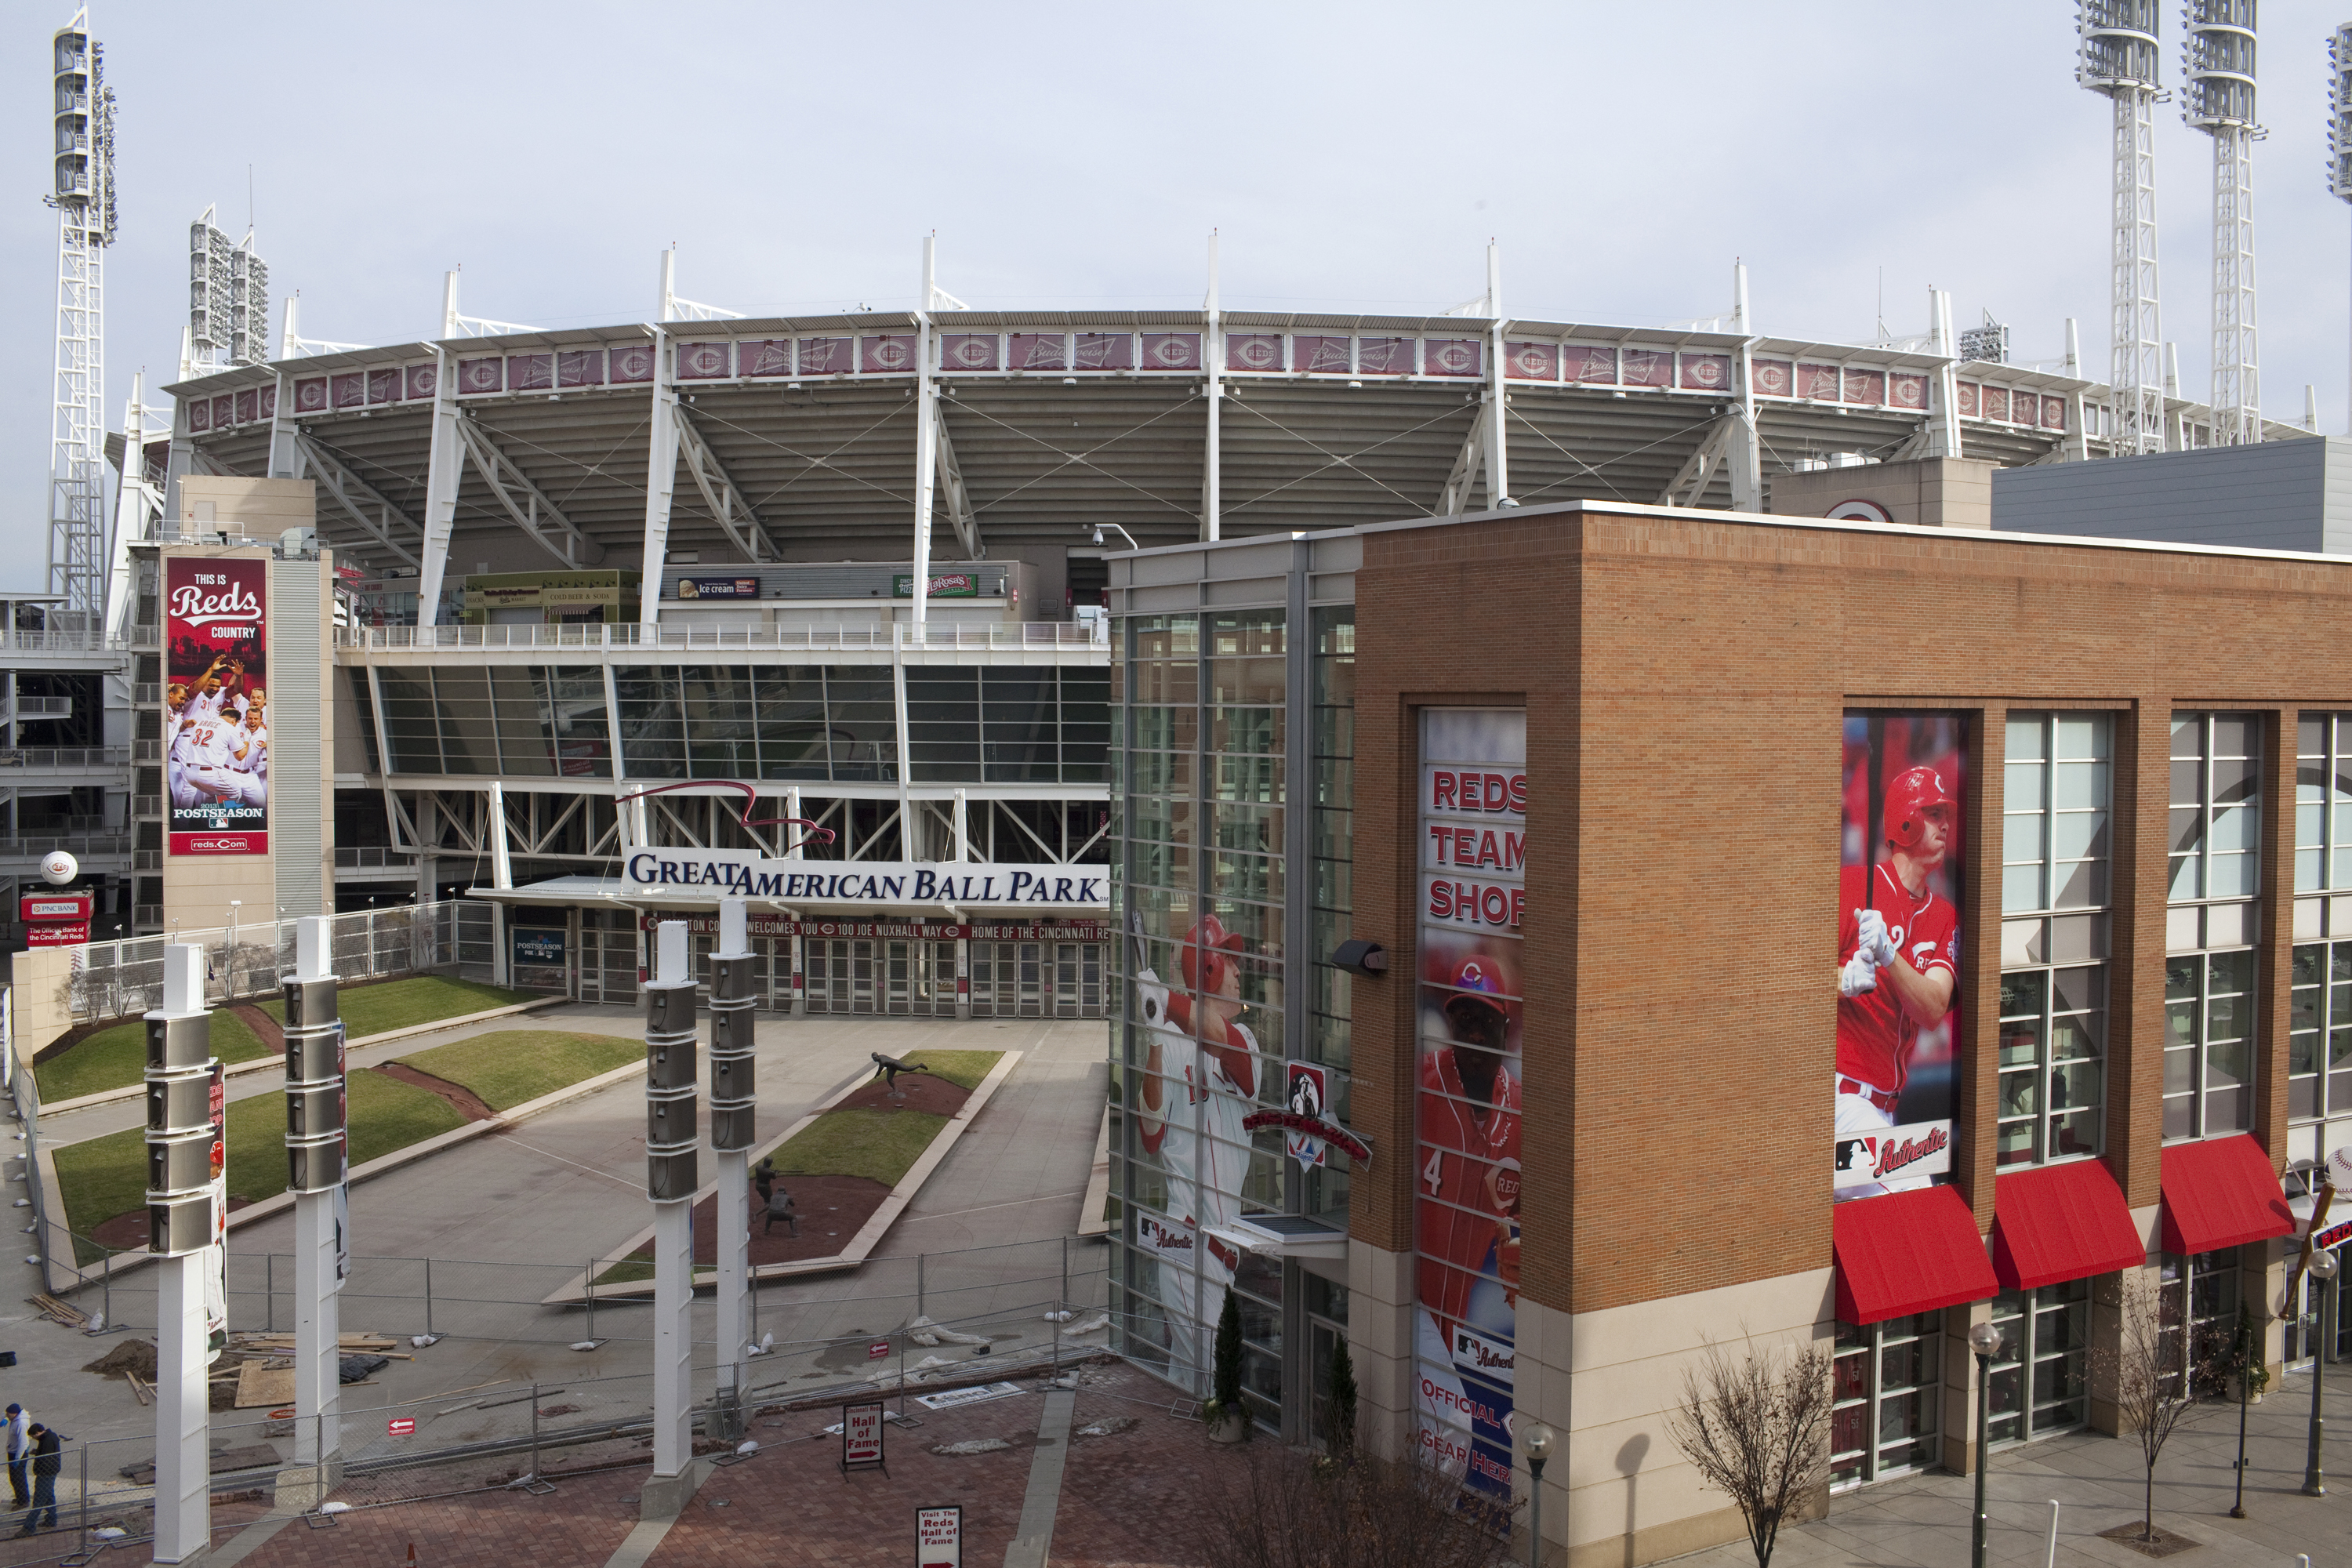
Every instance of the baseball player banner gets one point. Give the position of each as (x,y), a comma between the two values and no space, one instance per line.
(1203,1071)
(1900,898)
(1472,833)
(216,723)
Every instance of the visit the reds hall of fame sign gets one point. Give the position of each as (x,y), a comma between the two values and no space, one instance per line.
(938,1537)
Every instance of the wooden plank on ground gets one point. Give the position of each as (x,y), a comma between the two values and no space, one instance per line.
(260,1387)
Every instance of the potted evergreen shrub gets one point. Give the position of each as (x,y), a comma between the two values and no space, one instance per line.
(1226,1417)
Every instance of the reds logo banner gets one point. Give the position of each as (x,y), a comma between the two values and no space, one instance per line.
(215,696)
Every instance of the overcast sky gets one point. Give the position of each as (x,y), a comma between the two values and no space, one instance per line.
(1354,157)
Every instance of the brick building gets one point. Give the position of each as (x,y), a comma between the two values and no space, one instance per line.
(1601,781)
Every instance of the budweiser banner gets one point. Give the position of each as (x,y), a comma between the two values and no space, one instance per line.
(216,722)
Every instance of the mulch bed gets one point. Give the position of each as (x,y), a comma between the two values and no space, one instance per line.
(833,1209)
(128,1232)
(919,1092)
(465,1102)
(265,1029)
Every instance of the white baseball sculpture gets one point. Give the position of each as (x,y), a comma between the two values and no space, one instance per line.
(57,868)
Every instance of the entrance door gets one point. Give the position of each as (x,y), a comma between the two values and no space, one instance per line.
(1885,1379)
(1030,979)
(897,979)
(2042,1376)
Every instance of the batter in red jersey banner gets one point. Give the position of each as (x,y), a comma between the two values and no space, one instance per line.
(1898,952)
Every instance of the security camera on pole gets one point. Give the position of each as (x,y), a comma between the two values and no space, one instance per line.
(316,1143)
(731,1138)
(181,1219)
(671,1177)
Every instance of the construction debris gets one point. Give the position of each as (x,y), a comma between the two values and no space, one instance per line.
(58,1311)
(127,1357)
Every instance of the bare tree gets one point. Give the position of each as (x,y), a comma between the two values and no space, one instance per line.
(2156,1376)
(1758,1433)
(1285,1510)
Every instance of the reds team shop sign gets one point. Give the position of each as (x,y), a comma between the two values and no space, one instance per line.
(215,694)
(1472,844)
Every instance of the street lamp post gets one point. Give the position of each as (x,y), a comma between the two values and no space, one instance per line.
(1985,1340)
(1538,1439)
(2323,1270)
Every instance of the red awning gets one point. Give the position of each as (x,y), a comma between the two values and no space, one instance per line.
(2220,1192)
(2061,1223)
(1907,1252)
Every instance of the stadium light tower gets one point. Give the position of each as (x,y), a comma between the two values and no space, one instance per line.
(2117,59)
(2217,62)
(2339,119)
(83,148)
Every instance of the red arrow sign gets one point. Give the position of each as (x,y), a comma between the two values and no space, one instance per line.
(878,1350)
(403,1427)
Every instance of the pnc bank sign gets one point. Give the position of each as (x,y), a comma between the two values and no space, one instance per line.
(737,873)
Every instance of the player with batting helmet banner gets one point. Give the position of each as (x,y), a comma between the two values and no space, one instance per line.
(1471,834)
(1898,956)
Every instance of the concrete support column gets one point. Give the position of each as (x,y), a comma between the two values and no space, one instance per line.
(1380,1344)
(183,1518)
(671,1146)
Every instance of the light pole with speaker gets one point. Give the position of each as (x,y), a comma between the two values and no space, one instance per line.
(732,1134)
(672,1174)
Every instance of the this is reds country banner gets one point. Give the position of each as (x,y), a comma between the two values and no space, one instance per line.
(216,721)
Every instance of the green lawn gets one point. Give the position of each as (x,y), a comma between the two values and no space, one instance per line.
(863,1142)
(513,1066)
(873,1141)
(102,1177)
(398,1003)
(117,1057)
(962,1068)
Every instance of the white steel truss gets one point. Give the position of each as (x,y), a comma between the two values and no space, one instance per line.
(2218,60)
(733,513)
(2119,60)
(524,501)
(84,197)
(365,505)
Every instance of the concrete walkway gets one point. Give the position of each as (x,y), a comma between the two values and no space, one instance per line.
(507,1218)
(2097,1481)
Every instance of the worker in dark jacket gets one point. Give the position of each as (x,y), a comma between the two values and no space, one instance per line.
(49,1459)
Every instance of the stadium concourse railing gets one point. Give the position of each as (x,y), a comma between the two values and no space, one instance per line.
(633,635)
(1019,1311)
(123,979)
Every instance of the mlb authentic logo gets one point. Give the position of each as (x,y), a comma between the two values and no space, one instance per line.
(1479,1355)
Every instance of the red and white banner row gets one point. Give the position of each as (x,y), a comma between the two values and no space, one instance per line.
(1247,353)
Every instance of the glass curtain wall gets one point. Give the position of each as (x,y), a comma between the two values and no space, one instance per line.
(821,723)
(2055,925)
(2319,1028)
(1198,880)
(1334,892)
(2209,928)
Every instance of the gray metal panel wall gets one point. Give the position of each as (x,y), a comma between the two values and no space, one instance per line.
(301,736)
(2271,496)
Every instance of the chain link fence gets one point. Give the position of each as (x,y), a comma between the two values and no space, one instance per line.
(919,1326)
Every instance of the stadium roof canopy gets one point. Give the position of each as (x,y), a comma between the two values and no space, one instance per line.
(797,436)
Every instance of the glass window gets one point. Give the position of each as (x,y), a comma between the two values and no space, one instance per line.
(2216,806)
(1887,1378)
(2039,1379)
(720,738)
(2198,1313)
(1018,726)
(943,723)
(518,696)
(789,716)
(2053,983)
(412,727)
(468,740)
(861,707)
(2322,803)
(653,730)
(580,728)
(1085,724)
(365,699)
